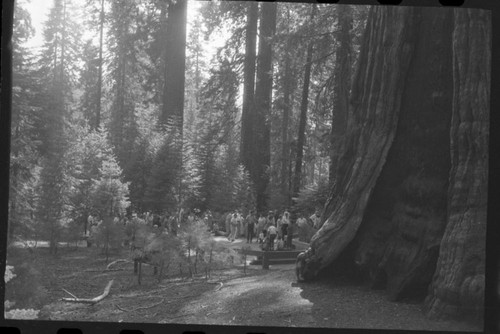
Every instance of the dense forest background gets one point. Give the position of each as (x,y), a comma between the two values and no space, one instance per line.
(377,116)
(114,104)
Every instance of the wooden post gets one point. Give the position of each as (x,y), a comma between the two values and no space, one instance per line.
(140,273)
(265,260)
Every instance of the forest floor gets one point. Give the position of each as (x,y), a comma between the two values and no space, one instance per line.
(230,297)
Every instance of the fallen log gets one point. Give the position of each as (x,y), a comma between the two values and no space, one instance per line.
(90,300)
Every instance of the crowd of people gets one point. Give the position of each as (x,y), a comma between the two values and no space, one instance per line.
(272,231)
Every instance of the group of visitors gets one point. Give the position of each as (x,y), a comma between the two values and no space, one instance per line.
(308,226)
(273,231)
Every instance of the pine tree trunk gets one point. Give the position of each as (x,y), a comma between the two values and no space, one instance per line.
(13,216)
(248,86)
(303,114)
(458,284)
(99,78)
(287,84)
(262,105)
(376,100)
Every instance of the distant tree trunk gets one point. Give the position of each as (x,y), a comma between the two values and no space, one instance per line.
(249,86)
(341,89)
(303,113)
(287,108)
(175,63)
(99,78)
(458,285)
(262,105)
(385,57)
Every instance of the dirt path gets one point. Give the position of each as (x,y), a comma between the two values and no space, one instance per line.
(273,298)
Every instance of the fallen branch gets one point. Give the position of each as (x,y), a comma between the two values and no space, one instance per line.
(69,293)
(91,300)
(219,287)
(108,267)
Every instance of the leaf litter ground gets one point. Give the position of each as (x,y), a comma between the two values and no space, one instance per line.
(229,297)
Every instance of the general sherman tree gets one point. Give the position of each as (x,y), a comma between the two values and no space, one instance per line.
(410,187)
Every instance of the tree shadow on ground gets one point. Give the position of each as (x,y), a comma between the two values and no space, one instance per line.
(340,302)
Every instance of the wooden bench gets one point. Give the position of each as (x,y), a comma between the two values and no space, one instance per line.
(271,255)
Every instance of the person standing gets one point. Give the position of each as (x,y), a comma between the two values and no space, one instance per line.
(270,220)
(273,232)
(316,220)
(251,226)
(278,225)
(261,224)
(302,227)
(285,222)
(227,225)
(234,227)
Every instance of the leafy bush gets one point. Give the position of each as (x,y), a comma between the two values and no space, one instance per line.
(110,234)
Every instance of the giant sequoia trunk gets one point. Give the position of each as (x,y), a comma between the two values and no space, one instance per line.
(458,284)
(398,240)
(397,190)
(376,100)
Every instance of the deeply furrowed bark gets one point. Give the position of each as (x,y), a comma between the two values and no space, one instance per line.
(375,102)
(397,243)
(458,284)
